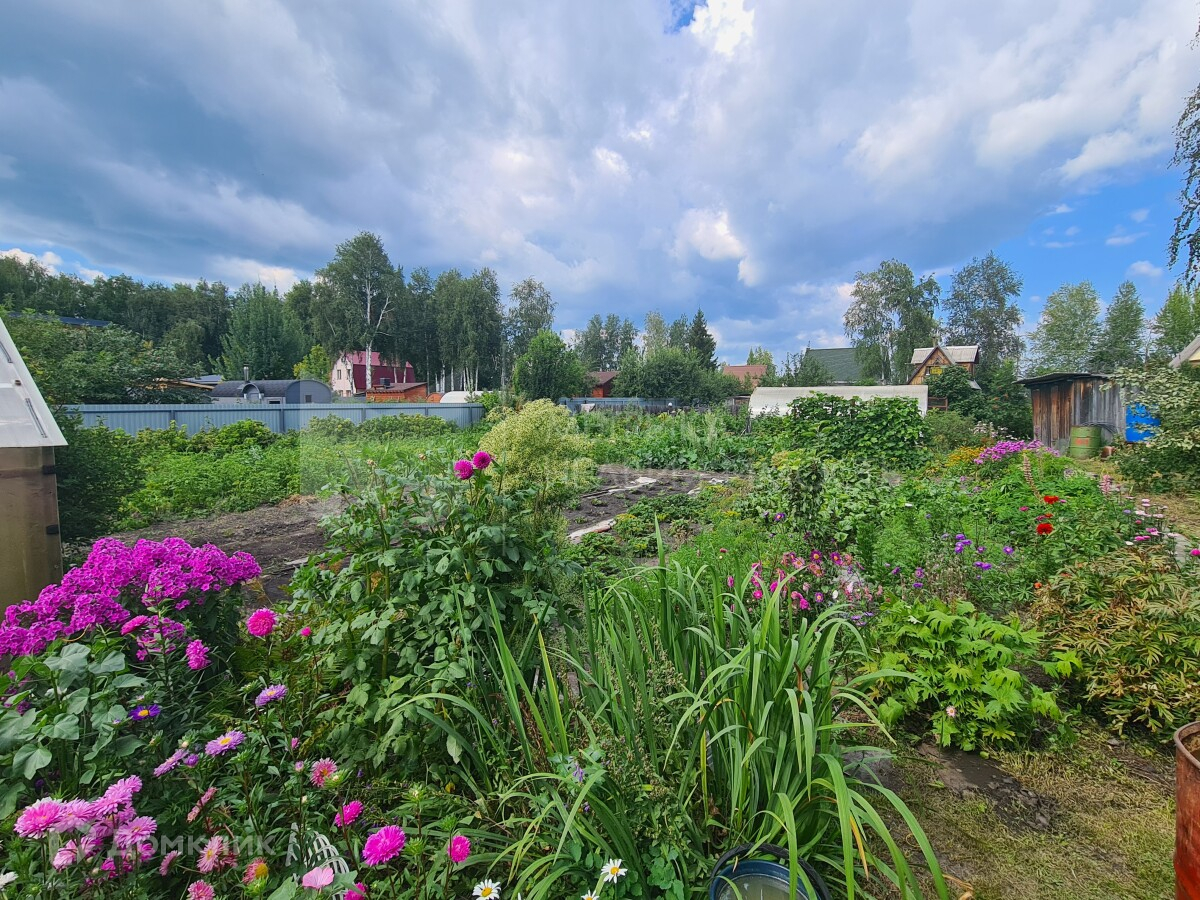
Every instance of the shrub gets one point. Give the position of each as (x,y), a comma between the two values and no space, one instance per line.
(341,430)
(97,469)
(1132,617)
(712,441)
(949,430)
(235,436)
(422,561)
(1171,458)
(962,672)
(885,430)
(540,447)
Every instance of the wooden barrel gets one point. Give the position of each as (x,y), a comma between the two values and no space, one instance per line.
(1085,441)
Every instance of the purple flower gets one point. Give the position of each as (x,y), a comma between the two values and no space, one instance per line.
(464,469)
(228,741)
(197,655)
(270,694)
(1008,551)
(145,712)
(481,460)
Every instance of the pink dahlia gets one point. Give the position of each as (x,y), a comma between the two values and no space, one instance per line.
(464,469)
(383,845)
(66,855)
(322,771)
(349,813)
(459,849)
(358,892)
(38,819)
(201,890)
(262,622)
(481,460)
(197,655)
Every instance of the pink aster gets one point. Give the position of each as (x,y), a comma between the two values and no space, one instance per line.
(383,845)
(322,771)
(211,855)
(165,866)
(170,762)
(459,849)
(358,892)
(134,832)
(261,622)
(201,890)
(38,819)
(67,855)
(320,877)
(349,813)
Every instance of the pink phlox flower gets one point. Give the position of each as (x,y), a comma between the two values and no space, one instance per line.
(197,655)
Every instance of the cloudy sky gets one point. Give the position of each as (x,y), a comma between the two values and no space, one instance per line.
(744,156)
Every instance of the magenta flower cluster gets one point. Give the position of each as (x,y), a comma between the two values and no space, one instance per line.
(115,585)
(107,827)
(465,468)
(1002,449)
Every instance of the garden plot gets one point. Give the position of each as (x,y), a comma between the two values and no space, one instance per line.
(621,487)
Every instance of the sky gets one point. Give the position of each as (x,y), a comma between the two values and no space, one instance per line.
(746,157)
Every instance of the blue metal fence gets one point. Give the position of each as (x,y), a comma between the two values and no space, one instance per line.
(280,418)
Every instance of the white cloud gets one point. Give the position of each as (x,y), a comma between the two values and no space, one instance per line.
(612,163)
(1072,231)
(1144,269)
(235,271)
(1139,215)
(1061,209)
(49,260)
(1108,151)
(89,274)
(723,25)
(1120,239)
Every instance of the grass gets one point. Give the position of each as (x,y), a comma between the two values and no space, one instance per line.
(1112,834)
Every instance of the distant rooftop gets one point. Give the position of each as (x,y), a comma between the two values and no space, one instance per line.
(958,353)
(841,363)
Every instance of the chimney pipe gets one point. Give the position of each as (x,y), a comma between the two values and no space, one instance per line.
(245,373)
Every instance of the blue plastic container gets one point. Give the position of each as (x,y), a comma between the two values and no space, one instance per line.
(737,878)
(1139,424)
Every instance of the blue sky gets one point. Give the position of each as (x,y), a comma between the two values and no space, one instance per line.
(745,156)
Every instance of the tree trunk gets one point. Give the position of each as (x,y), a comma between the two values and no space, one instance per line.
(367,386)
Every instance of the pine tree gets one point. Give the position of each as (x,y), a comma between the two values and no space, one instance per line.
(700,342)
(1178,322)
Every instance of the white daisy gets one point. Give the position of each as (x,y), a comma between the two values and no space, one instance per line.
(487,890)
(591,895)
(7,878)
(612,870)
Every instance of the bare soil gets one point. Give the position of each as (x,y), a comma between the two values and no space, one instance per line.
(283,536)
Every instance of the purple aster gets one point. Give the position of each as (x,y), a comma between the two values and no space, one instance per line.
(228,741)
(270,694)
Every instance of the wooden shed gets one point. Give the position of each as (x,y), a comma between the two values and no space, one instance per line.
(1063,400)
(30,544)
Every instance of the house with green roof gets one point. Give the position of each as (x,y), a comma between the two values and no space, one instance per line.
(841,363)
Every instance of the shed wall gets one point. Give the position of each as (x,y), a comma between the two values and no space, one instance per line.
(30,557)
(1058,406)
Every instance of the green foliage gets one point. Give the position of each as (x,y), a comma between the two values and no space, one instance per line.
(700,343)
(97,365)
(337,428)
(1122,339)
(315,366)
(710,442)
(968,679)
(604,342)
(805,370)
(421,563)
(892,314)
(1171,458)
(696,723)
(1178,322)
(980,309)
(97,469)
(948,430)
(1070,322)
(954,384)
(262,335)
(1131,620)
(672,373)
(540,447)
(549,370)
(885,430)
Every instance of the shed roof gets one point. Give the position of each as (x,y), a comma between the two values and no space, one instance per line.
(1060,376)
(602,378)
(25,419)
(957,353)
(746,371)
(1186,353)
(840,362)
(270,387)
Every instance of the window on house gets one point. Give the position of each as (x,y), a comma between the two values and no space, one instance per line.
(308,398)
(934,370)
